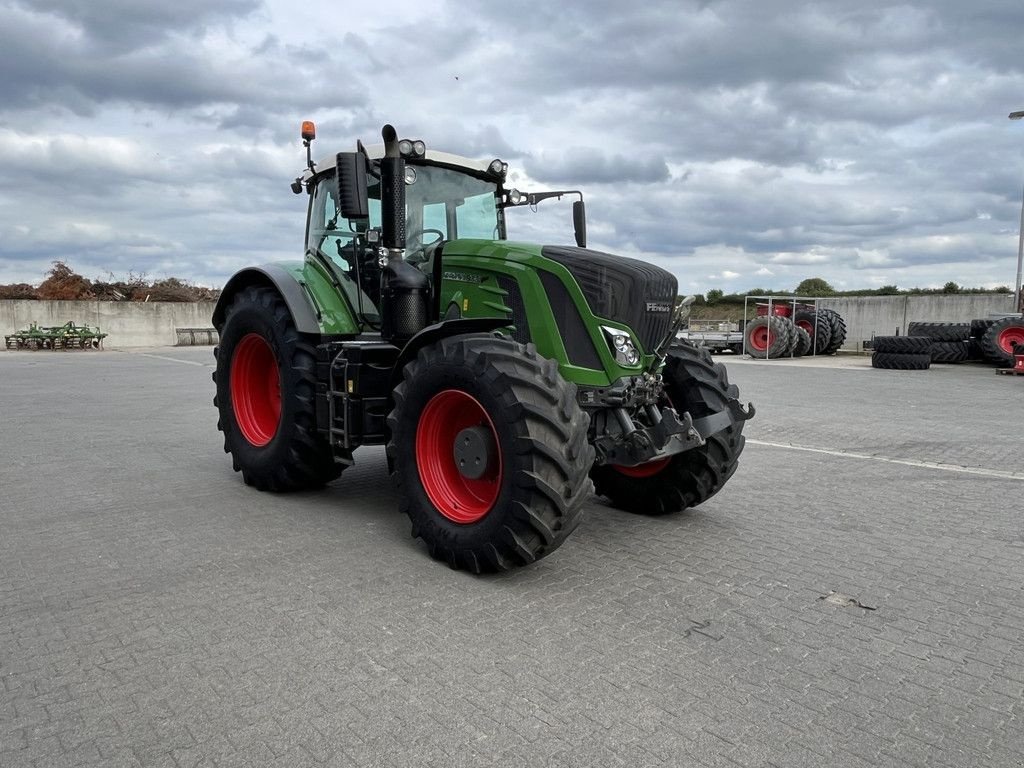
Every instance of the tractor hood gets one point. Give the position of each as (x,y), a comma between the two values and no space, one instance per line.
(629,291)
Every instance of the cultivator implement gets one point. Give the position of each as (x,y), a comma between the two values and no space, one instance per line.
(67,336)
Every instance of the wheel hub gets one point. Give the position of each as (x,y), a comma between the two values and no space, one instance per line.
(454,426)
(1010,337)
(475,451)
(255,389)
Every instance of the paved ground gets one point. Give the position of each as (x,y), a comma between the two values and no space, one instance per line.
(155,610)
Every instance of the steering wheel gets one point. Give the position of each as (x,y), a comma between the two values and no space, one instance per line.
(419,252)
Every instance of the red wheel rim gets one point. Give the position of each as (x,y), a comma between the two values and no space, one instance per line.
(458,498)
(807,325)
(761,338)
(650,469)
(1010,336)
(256,389)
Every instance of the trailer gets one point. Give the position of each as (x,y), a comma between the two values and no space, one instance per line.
(715,341)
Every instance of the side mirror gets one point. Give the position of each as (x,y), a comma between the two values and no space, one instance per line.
(579,222)
(352,188)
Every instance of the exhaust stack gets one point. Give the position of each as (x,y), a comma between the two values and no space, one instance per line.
(404,290)
(392,195)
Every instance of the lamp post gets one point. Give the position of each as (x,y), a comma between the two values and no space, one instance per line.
(1020,239)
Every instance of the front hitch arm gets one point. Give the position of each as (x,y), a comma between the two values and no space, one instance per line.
(672,433)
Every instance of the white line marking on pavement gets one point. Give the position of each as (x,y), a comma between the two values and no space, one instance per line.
(171,359)
(889,460)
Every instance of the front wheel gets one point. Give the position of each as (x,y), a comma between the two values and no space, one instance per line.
(490,452)
(266,388)
(694,383)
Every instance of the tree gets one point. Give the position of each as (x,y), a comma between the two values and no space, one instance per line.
(714,296)
(814,286)
(951,287)
(887,290)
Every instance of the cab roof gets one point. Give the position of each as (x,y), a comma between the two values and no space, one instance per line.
(431,157)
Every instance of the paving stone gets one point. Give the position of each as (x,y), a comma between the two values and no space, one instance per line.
(156,611)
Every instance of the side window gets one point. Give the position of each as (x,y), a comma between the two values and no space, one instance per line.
(327,232)
(331,234)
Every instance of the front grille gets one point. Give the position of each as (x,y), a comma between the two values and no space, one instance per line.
(578,346)
(628,291)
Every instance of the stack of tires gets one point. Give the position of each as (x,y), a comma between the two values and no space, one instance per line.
(807,332)
(994,340)
(949,340)
(902,353)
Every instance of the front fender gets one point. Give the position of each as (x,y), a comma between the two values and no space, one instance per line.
(436,332)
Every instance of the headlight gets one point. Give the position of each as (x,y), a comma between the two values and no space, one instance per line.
(419,148)
(515,197)
(622,346)
(497,167)
(405,147)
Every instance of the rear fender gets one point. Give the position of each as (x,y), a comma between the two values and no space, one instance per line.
(270,276)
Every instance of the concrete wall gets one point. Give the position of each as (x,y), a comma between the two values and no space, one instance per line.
(152,324)
(868,316)
(129,323)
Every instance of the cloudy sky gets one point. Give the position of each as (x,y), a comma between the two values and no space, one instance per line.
(737,143)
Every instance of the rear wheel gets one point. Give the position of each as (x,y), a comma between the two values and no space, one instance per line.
(1000,338)
(837,327)
(769,336)
(817,326)
(694,383)
(949,351)
(266,385)
(903,345)
(490,452)
(803,342)
(898,361)
(940,331)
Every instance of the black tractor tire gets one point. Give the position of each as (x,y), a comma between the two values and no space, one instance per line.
(794,338)
(769,336)
(940,331)
(837,325)
(974,349)
(819,328)
(949,351)
(903,345)
(693,383)
(264,366)
(803,342)
(894,361)
(533,477)
(1000,338)
(978,327)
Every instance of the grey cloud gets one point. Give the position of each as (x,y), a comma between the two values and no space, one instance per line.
(129,24)
(584,165)
(866,139)
(65,70)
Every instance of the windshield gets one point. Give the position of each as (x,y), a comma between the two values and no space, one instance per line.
(448,204)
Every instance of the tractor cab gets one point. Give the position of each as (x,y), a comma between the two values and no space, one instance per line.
(446,197)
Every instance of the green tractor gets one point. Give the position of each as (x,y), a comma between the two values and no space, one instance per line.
(507,380)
